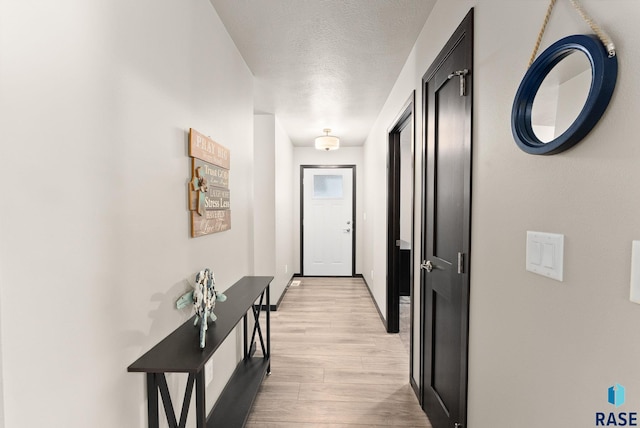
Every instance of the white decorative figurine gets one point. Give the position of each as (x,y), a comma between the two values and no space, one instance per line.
(203,297)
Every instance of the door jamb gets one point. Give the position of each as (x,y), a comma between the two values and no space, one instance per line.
(353,212)
(405,118)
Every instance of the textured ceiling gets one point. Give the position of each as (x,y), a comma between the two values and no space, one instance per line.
(324,63)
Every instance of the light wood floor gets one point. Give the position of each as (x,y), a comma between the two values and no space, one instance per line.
(333,364)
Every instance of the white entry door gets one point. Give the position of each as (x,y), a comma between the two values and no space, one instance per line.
(327,221)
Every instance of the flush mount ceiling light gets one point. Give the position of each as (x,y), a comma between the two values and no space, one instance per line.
(327,142)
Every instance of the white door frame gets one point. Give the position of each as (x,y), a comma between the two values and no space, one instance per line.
(353,208)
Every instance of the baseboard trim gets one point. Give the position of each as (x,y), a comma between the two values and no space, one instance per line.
(277,305)
(358,275)
(384,322)
(416,389)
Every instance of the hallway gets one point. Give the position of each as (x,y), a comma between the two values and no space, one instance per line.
(333,364)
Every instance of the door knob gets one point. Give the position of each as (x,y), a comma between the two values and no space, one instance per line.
(428,266)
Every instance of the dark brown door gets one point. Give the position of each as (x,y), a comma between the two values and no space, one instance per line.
(447,89)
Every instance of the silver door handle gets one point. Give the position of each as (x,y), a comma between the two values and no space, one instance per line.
(428,266)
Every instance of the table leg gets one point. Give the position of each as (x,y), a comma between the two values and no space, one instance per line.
(201,411)
(269,329)
(152,401)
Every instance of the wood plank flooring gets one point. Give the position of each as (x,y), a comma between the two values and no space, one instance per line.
(333,364)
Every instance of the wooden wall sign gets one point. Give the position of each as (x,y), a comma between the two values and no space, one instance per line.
(209,195)
(203,147)
(215,175)
(213,221)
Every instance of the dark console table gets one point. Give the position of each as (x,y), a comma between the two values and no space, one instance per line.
(180,353)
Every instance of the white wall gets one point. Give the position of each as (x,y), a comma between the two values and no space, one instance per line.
(273,203)
(97,100)
(343,156)
(542,353)
(284,197)
(264,194)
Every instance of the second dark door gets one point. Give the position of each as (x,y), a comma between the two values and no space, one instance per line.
(446,230)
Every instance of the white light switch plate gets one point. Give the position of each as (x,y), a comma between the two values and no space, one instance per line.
(545,254)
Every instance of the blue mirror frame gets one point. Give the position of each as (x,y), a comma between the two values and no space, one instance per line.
(604,72)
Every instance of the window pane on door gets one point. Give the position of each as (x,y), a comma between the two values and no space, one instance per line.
(327,187)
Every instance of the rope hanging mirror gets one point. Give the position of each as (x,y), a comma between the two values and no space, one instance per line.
(565,90)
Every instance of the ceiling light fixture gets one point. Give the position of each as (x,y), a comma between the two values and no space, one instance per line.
(327,142)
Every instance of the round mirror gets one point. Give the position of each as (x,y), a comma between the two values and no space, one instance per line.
(563,95)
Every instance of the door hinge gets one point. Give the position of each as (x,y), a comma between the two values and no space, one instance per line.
(397,242)
(460,262)
(463,81)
